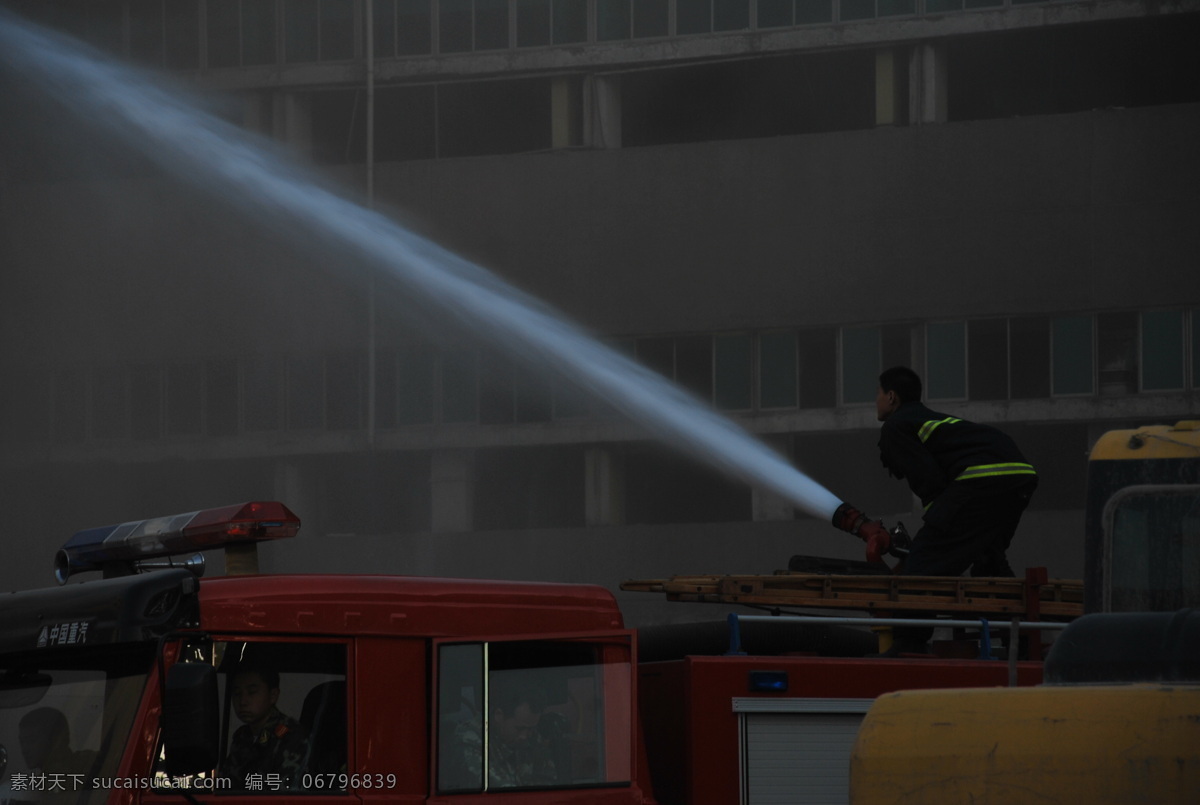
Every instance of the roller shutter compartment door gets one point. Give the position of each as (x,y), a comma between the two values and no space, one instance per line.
(796,758)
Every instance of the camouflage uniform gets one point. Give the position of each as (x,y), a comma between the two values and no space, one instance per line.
(280,747)
(509,765)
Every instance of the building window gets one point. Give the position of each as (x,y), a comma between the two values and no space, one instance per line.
(777,370)
(223,34)
(658,354)
(869,9)
(146,31)
(946,356)
(570,401)
(262,385)
(454,26)
(987,359)
(110,403)
(344,384)
(402,28)
(533,23)
(818,367)
(491,24)
(221,398)
(240,32)
(570,21)
(509,394)
(182,31)
(318,30)
(1073,355)
(650,18)
(1162,350)
(414,25)
(734,363)
(414,390)
(185,400)
(706,16)
(860,364)
(694,365)
(145,402)
(305,393)
(867,351)
(460,386)
(1196,348)
(942,6)
(613,20)
(1117,352)
(1030,347)
(258,32)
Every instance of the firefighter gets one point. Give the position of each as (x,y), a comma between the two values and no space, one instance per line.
(971,478)
(270,747)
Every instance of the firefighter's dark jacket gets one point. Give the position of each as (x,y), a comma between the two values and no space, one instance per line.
(931,450)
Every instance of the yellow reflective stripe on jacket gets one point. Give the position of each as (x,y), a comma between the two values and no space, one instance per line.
(989,470)
(929,427)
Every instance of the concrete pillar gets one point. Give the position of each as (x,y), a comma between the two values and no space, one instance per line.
(604,495)
(565,99)
(887,88)
(927,84)
(259,112)
(766,505)
(602,112)
(293,121)
(452,485)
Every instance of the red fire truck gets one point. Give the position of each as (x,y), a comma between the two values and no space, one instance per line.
(406,689)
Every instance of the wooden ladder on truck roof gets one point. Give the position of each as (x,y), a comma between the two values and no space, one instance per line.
(1033,598)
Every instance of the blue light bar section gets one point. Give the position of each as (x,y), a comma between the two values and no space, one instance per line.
(768,681)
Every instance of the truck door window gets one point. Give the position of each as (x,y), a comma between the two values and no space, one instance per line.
(283,716)
(1154,545)
(533,714)
(65,718)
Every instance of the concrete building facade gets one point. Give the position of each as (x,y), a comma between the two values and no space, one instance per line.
(766,201)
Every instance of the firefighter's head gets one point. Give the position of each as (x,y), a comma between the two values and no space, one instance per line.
(897,386)
(254,693)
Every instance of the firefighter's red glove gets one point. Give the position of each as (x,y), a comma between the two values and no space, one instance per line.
(877,538)
(872,532)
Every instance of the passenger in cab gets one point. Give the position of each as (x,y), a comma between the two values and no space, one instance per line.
(269,744)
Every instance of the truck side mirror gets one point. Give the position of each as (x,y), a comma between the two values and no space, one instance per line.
(191,731)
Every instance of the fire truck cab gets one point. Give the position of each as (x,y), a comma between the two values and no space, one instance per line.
(393,682)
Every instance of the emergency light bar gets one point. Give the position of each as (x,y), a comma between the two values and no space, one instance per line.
(121,547)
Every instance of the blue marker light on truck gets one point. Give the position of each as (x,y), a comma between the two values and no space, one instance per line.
(94,548)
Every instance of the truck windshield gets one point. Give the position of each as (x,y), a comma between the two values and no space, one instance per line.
(65,718)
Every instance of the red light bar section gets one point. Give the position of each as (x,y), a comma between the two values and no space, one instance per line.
(245,521)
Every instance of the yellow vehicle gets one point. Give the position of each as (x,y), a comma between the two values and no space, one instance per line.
(1118,718)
